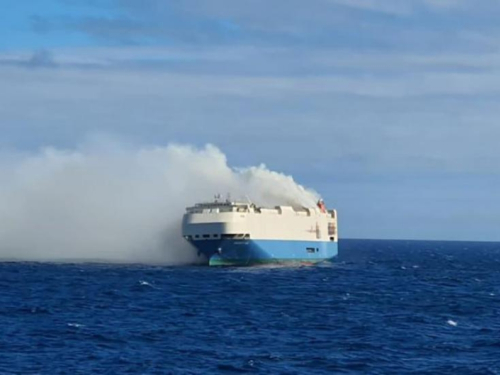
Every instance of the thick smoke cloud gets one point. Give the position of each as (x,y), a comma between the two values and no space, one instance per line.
(119,204)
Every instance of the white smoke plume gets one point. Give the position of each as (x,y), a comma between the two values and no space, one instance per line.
(120,204)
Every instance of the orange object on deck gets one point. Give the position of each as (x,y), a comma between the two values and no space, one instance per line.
(322,206)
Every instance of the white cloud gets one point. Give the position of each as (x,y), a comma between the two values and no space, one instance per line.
(328,116)
(395,7)
(123,97)
(340,23)
(446,4)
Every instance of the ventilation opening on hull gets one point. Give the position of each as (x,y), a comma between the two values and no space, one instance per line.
(235,236)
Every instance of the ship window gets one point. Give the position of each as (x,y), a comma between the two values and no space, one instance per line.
(311,250)
(247,236)
(331,229)
(206,236)
(215,235)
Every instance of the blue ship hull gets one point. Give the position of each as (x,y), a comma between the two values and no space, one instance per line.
(233,252)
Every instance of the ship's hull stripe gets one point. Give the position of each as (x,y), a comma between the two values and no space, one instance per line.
(246,252)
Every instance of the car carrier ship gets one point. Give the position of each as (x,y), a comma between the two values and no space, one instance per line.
(229,233)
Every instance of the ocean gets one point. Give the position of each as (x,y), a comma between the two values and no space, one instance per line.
(384,307)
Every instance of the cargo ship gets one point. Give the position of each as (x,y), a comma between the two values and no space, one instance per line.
(231,233)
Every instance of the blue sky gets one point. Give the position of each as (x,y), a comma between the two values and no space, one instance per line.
(389,108)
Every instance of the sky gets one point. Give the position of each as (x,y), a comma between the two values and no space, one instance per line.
(387,108)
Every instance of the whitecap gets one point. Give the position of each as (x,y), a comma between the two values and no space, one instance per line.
(452,323)
(145,283)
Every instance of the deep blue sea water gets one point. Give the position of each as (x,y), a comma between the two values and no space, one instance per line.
(385,307)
